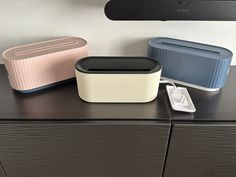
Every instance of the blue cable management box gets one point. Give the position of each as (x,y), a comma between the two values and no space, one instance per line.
(192,64)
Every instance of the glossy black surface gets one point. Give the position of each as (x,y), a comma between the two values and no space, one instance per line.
(211,106)
(63,103)
(118,65)
(171,10)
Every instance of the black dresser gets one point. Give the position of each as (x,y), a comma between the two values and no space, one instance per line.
(53,133)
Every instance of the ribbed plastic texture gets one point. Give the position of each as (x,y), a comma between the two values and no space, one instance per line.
(41,64)
(194,63)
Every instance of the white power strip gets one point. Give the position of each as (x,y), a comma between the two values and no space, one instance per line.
(180,99)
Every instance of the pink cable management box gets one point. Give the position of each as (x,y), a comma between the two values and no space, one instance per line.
(40,65)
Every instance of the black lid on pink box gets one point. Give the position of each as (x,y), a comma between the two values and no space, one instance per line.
(118,65)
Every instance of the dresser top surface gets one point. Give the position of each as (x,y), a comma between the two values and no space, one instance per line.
(63,103)
(212,106)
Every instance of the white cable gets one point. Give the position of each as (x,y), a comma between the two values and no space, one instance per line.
(168,82)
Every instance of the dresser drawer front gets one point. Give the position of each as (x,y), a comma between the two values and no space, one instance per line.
(86,149)
(202,150)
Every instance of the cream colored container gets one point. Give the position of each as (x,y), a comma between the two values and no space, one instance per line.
(36,66)
(118,79)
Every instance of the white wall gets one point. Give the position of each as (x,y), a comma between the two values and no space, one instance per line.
(26,21)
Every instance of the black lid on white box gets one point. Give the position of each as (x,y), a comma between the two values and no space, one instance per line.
(118,65)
